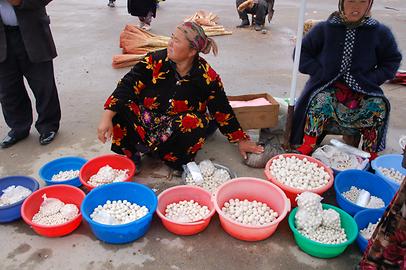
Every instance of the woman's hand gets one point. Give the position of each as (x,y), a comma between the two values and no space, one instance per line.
(248,146)
(105,129)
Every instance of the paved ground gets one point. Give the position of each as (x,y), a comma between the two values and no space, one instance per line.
(86,33)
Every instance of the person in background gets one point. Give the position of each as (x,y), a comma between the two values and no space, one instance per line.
(160,106)
(347,57)
(111,3)
(258,8)
(26,51)
(145,10)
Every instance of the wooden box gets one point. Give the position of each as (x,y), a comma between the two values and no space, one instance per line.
(256,116)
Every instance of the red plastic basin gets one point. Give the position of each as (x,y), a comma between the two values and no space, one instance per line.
(115,161)
(180,193)
(251,189)
(292,192)
(65,193)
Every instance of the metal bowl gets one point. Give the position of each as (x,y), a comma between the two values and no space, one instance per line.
(218,166)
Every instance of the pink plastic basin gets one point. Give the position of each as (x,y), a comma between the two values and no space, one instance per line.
(292,192)
(181,193)
(117,162)
(65,193)
(251,189)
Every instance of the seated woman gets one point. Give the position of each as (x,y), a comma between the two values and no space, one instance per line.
(160,106)
(347,57)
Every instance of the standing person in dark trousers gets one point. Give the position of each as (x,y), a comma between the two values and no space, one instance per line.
(27,50)
(144,10)
(258,8)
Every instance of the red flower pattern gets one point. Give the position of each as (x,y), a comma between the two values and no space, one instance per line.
(222,118)
(179,106)
(110,102)
(118,134)
(155,66)
(141,131)
(150,103)
(196,147)
(170,157)
(210,75)
(138,87)
(134,108)
(189,122)
(236,135)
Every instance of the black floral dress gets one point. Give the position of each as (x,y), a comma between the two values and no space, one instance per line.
(160,112)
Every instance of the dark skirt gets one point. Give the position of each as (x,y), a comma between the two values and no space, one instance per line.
(141,7)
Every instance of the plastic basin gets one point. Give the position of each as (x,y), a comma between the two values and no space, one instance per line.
(180,193)
(389,161)
(251,189)
(62,164)
(363,218)
(292,192)
(115,161)
(12,212)
(132,192)
(321,250)
(372,183)
(65,193)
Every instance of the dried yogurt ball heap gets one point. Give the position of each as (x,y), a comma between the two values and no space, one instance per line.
(54,212)
(212,177)
(368,231)
(107,175)
(118,212)
(392,174)
(186,211)
(13,194)
(353,194)
(319,225)
(297,173)
(65,175)
(249,212)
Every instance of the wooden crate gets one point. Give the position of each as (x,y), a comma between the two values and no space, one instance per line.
(256,116)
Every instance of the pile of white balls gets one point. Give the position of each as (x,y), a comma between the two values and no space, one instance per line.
(298,173)
(107,175)
(392,174)
(65,175)
(118,212)
(354,192)
(317,224)
(186,211)
(13,194)
(212,177)
(249,212)
(54,212)
(368,231)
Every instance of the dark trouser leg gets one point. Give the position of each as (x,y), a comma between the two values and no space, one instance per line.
(261,11)
(243,14)
(40,77)
(185,142)
(15,103)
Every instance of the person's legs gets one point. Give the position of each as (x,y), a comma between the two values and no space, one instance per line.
(146,21)
(111,3)
(15,102)
(188,137)
(243,15)
(260,14)
(40,77)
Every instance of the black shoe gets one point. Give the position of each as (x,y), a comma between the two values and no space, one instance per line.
(258,27)
(111,4)
(244,24)
(11,140)
(47,137)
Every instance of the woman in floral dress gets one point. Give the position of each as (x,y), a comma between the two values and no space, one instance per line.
(160,106)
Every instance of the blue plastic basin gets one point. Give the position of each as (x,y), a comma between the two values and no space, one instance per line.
(132,192)
(62,164)
(13,211)
(389,161)
(363,218)
(372,183)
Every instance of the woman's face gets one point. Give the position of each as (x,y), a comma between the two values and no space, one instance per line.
(354,10)
(179,48)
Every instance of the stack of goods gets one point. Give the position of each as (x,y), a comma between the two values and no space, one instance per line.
(363,198)
(107,175)
(186,211)
(392,174)
(249,212)
(13,194)
(136,43)
(65,175)
(316,223)
(54,212)
(118,212)
(338,159)
(211,177)
(368,231)
(208,21)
